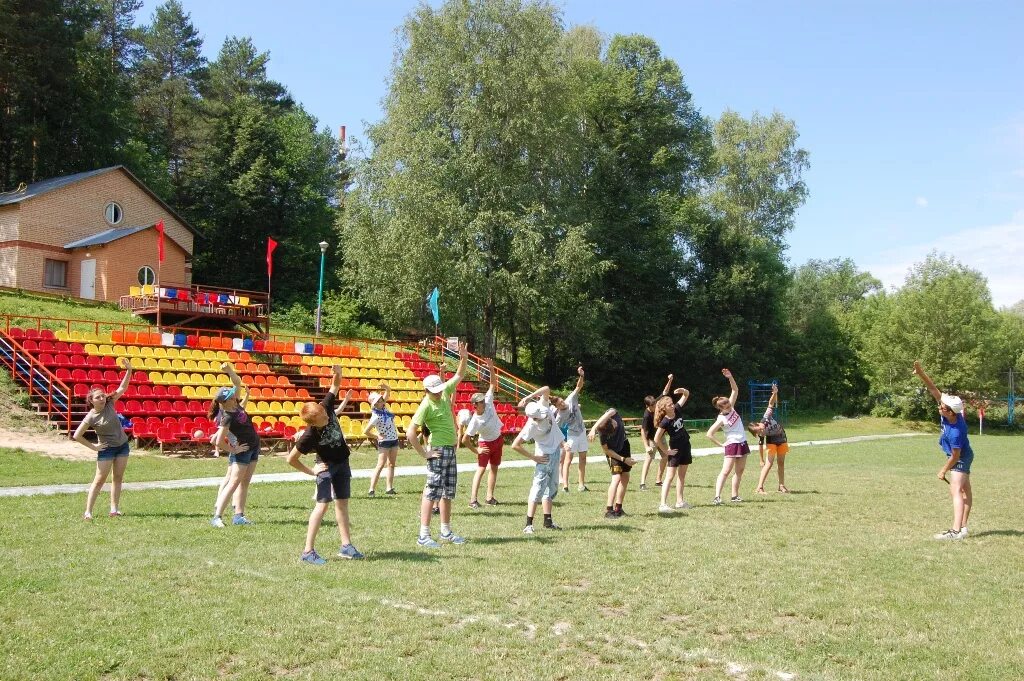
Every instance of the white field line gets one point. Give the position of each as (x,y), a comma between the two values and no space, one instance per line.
(190,483)
(529,630)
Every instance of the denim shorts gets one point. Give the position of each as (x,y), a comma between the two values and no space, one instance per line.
(247,457)
(111,453)
(387,444)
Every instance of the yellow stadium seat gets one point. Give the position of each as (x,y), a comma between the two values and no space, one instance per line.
(262,407)
(257,421)
(156,377)
(164,363)
(190,365)
(288,406)
(177,364)
(210,379)
(159,351)
(203,392)
(276,408)
(364,407)
(91,349)
(204,366)
(147,290)
(270,420)
(191,379)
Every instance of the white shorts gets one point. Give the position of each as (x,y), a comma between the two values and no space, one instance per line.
(578,443)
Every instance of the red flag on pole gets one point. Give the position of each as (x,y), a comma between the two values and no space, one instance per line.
(271,245)
(160,240)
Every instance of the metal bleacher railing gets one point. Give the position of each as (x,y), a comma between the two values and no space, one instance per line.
(43,387)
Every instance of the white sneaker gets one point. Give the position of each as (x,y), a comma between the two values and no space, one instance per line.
(528,529)
(683,505)
(665,508)
(963,532)
(217,522)
(948,535)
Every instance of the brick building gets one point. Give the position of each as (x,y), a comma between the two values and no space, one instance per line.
(90,235)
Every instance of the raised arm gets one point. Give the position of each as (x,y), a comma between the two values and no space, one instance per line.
(385,390)
(579,381)
(127,364)
(773,401)
(734,389)
(335,379)
(600,422)
(344,403)
(919,370)
(668,385)
(541,393)
(460,371)
(493,377)
(684,395)
(227,368)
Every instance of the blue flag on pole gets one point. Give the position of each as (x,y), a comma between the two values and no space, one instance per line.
(432,304)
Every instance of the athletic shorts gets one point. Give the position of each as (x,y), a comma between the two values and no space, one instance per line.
(683,455)
(387,444)
(736,450)
(111,453)
(617,466)
(963,465)
(334,483)
(578,444)
(778,450)
(442,474)
(490,452)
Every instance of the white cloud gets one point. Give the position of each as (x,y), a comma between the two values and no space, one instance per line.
(921,202)
(997,252)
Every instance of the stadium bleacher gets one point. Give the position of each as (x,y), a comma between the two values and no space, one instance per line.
(176,374)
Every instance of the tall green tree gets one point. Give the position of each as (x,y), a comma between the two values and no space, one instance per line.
(467,185)
(826,369)
(943,316)
(169,79)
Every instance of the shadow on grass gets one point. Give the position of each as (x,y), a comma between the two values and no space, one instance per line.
(804,491)
(610,526)
(498,541)
(413,556)
(172,514)
(999,533)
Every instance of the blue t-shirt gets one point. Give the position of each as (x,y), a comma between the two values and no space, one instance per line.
(954,436)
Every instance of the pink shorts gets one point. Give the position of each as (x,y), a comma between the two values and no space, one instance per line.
(490,452)
(736,450)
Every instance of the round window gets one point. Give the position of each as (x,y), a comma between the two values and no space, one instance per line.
(146,276)
(113,213)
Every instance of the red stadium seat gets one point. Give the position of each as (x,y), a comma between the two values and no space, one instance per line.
(46,359)
(173,390)
(179,407)
(93,361)
(80,390)
(31,333)
(94,375)
(108,361)
(46,334)
(196,407)
(79,375)
(16,333)
(63,374)
(145,390)
(46,346)
(159,390)
(111,375)
(164,406)
(30,345)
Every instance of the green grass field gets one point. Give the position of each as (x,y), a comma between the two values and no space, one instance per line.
(840,580)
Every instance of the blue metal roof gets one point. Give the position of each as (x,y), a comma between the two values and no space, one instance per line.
(43,186)
(105,237)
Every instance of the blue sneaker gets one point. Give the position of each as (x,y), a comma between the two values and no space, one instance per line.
(453,538)
(351,552)
(217,522)
(427,543)
(240,519)
(313,558)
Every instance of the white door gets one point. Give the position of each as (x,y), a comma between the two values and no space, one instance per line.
(88,279)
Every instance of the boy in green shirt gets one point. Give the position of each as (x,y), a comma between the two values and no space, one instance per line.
(435,413)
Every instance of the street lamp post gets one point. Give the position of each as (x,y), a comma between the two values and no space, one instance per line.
(320,290)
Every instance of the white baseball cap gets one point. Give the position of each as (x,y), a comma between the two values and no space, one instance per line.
(463,417)
(433,383)
(953,402)
(536,410)
(372,399)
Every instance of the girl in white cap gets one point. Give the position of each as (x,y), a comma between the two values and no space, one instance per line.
(547,438)
(959,455)
(383,421)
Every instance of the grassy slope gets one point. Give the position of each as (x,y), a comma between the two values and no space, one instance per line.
(837,581)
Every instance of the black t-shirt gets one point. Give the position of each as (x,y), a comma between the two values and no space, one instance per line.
(240,425)
(328,442)
(676,429)
(616,440)
(647,425)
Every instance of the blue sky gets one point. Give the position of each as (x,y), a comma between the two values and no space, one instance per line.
(913,112)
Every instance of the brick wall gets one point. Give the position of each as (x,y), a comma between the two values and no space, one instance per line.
(49,221)
(77,211)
